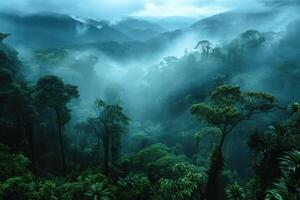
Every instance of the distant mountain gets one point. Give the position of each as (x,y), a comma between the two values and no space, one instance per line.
(173,23)
(55,30)
(228,24)
(139,29)
(130,38)
(131,24)
(142,34)
(223,26)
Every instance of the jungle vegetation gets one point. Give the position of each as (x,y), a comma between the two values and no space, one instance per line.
(197,130)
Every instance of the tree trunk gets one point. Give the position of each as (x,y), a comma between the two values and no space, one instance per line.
(76,146)
(106,149)
(214,188)
(98,150)
(58,121)
(222,141)
(112,150)
(115,153)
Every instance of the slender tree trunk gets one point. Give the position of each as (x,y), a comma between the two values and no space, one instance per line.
(58,121)
(112,150)
(106,149)
(222,141)
(115,153)
(76,147)
(98,150)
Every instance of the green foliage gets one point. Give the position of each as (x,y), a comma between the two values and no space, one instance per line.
(114,122)
(225,95)
(149,154)
(164,164)
(292,124)
(235,192)
(229,106)
(11,165)
(184,185)
(48,190)
(157,160)
(281,191)
(216,116)
(213,132)
(111,114)
(52,92)
(97,191)
(156,171)
(19,187)
(287,188)
(134,186)
(290,165)
(141,140)
(83,183)
(89,185)
(17,111)
(258,102)
(269,147)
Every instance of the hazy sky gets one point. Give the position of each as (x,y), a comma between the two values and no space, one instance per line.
(113,9)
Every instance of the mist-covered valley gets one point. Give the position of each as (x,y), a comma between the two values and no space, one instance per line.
(158,103)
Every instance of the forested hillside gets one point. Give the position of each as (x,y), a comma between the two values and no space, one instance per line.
(129,111)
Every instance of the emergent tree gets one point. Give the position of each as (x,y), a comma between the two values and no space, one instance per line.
(53,93)
(227,108)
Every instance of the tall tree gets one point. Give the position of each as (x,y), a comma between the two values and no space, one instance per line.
(205,46)
(114,122)
(53,93)
(227,108)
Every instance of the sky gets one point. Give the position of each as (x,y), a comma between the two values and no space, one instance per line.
(114,9)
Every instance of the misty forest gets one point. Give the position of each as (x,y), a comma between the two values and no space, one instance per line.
(150,104)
